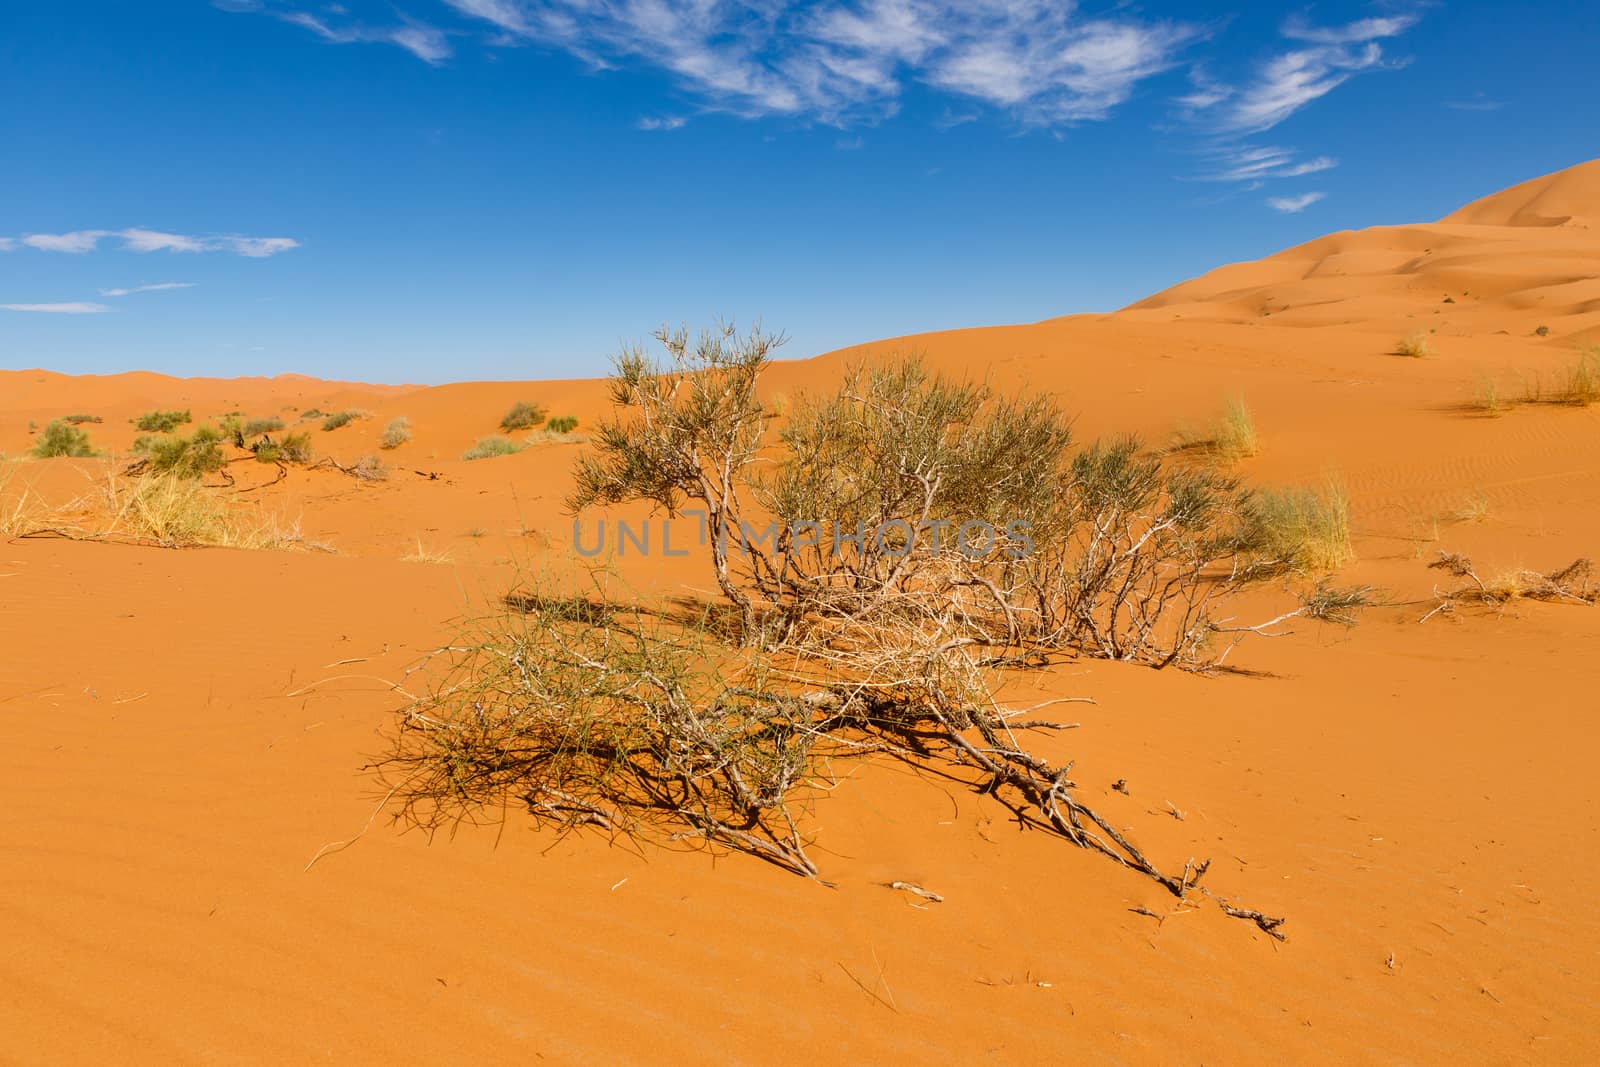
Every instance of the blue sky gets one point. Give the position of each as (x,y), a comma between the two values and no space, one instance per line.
(432,190)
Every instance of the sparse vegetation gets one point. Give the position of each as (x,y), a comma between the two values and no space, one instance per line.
(77,420)
(1416,346)
(183,457)
(1571,584)
(1488,399)
(295,448)
(420,554)
(1299,528)
(257,427)
(161,421)
(370,468)
(491,446)
(341,419)
(1231,438)
(397,432)
(61,438)
(522,416)
(563,424)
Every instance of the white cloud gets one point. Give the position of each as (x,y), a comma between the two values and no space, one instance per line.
(158,287)
(1239,163)
(76,243)
(60,309)
(425,42)
(141,240)
(666,122)
(839,61)
(1287,82)
(1291,205)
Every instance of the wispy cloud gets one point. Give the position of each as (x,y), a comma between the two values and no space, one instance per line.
(836,61)
(7,244)
(156,288)
(1289,81)
(665,122)
(1478,102)
(1243,163)
(1291,205)
(79,308)
(335,24)
(79,242)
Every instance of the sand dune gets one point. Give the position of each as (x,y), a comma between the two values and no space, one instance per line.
(182,731)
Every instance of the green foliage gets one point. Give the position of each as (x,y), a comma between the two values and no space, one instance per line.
(491,446)
(78,419)
(562,424)
(522,416)
(184,457)
(61,438)
(162,421)
(341,418)
(257,427)
(295,448)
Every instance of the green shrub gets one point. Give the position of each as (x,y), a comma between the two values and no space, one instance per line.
(77,419)
(493,445)
(1299,528)
(564,424)
(397,433)
(312,413)
(341,418)
(61,438)
(522,416)
(257,427)
(295,448)
(184,457)
(162,421)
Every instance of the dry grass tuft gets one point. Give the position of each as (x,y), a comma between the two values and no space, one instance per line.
(1573,584)
(1415,346)
(1231,438)
(397,433)
(1301,528)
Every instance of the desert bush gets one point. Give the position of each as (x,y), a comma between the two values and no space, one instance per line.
(1488,398)
(1414,345)
(295,448)
(1573,583)
(491,446)
(77,420)
(1299,528)
(397,433)
(1232,437)
(370,468)
(257,427)
(1581,385)
(876,487)
(312,413)
(562,424)
(184,457)
(175,511)
(522,416)
(61,438)
(161,421)
(341,418)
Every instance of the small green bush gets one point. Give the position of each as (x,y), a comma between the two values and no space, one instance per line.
(257,427)
(397,433)
(77,419)
(295,448)
(340,418)
(162,421)
(522,416)
(312,413)
(564,424)
(1299,528)
(184,457)
(493,445)
(61,438)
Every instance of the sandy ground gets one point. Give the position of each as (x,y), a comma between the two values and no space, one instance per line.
(182,731)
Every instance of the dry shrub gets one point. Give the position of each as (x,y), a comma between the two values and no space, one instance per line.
(492,446)
(1415,345)
(1572,584)
(397,433)
(370,468)
(522,416)
(1231,438)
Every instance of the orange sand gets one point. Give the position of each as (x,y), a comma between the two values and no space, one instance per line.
(1418,799)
